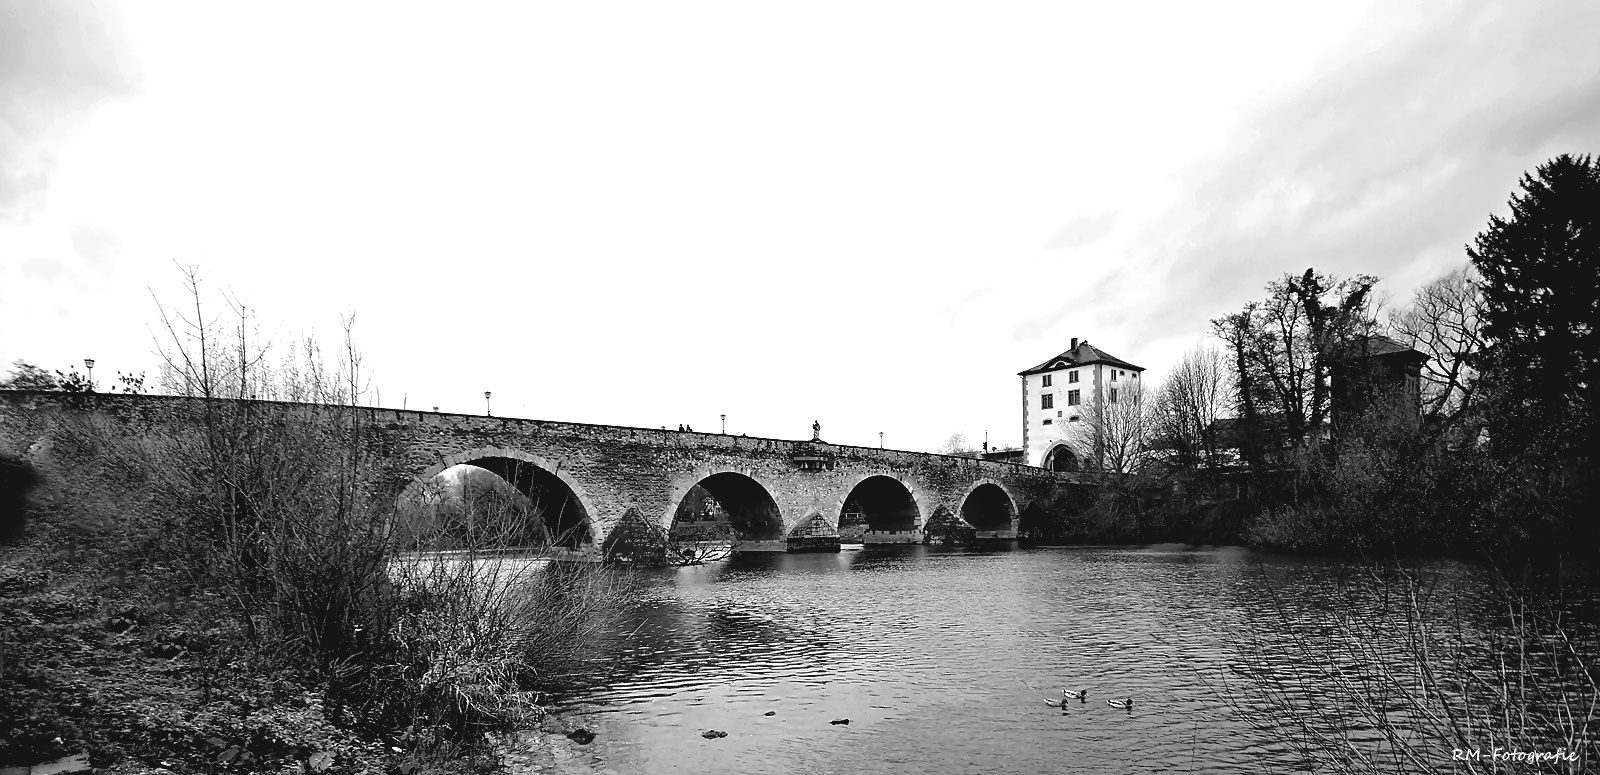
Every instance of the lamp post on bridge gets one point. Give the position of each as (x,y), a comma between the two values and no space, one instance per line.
(724,424)
(880,439)
(486,412)
(89,364)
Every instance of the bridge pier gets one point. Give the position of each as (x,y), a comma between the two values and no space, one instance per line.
(776,545)
(892,537)
(994,535)
(585,553)
(813,544)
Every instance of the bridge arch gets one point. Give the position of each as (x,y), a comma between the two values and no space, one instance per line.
(532,475)
(885,502)
(989,505)
(1061,457)
(745,496)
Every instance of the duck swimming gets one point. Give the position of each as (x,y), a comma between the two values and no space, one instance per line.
(1127,703)
(1079,695)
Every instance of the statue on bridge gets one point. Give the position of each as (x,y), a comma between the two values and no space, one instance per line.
(816,430)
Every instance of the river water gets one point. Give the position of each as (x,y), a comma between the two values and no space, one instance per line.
(942,661)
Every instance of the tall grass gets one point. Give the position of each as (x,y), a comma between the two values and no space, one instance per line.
(267,519)
(1397,672)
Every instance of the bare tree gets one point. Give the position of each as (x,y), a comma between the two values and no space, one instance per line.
(1115,431)
(1186,408)
(1283,350)
(1443,322)
(956,445)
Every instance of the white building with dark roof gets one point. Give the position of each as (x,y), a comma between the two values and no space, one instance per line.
(1058,393)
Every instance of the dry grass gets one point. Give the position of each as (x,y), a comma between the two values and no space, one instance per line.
(259,519)
(1398,672)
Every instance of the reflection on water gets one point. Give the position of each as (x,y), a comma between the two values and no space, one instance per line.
(942,660)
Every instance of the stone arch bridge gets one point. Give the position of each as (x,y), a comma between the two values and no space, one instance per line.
(778,494)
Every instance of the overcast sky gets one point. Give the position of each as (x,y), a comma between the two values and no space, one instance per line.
(868,214)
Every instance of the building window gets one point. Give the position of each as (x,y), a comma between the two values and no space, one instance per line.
(1113,375)
(1058,412)
(1073,418)
(1113,395)
(1134,375)
(1047,401)
(1046,382)
(1048,421)
(1072,398)
(1072,376)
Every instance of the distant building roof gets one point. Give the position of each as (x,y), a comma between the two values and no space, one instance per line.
(1229,432)
(1082,355)
(1380,346)
(1006,455)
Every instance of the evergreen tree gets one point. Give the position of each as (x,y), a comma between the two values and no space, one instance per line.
(1540,274)
(1541,304)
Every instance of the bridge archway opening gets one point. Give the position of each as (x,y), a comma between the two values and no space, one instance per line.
(988,507)
(880,504)
(1061,459)
(495,501)
(701,517)
(751,512)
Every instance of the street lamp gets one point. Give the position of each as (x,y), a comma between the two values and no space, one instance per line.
(880,439)
(486,412)
(724,424)
(89,363)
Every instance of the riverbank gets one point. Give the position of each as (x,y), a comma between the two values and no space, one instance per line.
(119,670)
(97,679)
(223,596)
(126,671)
(549,751)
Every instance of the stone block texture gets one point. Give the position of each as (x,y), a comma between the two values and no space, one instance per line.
(612,470)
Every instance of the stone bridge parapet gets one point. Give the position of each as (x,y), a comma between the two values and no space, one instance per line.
(775,486)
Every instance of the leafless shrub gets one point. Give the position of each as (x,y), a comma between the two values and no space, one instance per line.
(1399,674)
(268,507)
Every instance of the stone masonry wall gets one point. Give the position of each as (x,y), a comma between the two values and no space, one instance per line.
(613,469)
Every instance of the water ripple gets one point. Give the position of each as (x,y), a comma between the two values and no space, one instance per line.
(941,660)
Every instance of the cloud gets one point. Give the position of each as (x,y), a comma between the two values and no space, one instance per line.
(1082,232)
(58,61)
(43,268)
(949,312)
(95,244)
(1385,163)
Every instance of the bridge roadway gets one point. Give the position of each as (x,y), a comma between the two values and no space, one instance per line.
(777,493)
